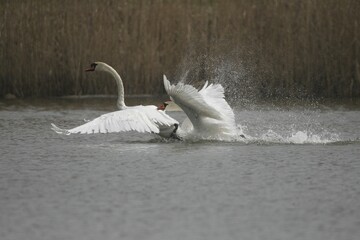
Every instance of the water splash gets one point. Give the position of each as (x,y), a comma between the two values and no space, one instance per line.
(292,137)
(302,137)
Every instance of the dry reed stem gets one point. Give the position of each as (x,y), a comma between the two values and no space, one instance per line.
(285,47)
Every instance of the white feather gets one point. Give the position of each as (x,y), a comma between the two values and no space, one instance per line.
(138,118)
(207,110)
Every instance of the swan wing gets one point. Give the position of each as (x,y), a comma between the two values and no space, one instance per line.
(207,110)
(190,100)
(214,95)
(159,117)
(140,119)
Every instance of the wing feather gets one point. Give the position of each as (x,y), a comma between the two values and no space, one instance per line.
(139,118)
(190,100)
(207,109)
(214,95)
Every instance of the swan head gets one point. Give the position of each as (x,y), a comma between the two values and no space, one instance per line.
(169,106)
(97,66)
(163,106)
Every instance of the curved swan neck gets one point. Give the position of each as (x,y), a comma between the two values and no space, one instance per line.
(119,82)
(120,100)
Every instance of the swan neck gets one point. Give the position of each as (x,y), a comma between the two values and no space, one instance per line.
(120,101)
(120,86)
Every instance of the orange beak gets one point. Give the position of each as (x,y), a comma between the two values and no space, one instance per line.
(161,107)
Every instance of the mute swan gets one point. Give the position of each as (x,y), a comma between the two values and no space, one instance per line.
(135,118)
(209,115)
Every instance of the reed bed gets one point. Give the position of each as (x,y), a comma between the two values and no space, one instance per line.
(268,48)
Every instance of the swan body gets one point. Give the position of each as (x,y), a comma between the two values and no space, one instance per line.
(209,115)
(135,118)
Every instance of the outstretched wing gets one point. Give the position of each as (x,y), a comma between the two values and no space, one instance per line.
(206,109)
(213,94)
(139,118)
(190,100)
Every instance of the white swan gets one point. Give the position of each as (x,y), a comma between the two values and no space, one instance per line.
(209,115)
(135,118)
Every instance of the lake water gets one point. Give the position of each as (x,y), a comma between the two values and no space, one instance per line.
(295,176)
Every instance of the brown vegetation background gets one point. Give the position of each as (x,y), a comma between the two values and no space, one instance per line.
(267,48)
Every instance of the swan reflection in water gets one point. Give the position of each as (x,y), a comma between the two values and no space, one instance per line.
(209,116)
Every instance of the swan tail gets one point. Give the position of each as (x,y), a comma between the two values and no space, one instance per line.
(59,130)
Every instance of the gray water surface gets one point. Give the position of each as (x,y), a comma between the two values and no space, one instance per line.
(295,176)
